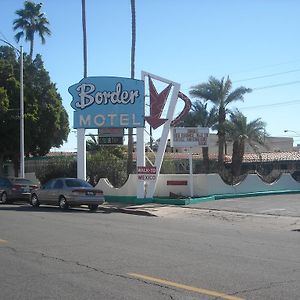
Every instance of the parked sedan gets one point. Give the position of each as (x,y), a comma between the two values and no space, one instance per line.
(66,192)
(13,188)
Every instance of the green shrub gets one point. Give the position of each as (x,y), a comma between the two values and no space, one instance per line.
(108,166)
(168,167)
(57,167)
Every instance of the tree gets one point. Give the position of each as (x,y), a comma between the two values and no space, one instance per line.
(93,146)
(201,116)
(84,38)
(242,133)
(9,112)
(219,93)
(132,68)
(46,120)
(31,21)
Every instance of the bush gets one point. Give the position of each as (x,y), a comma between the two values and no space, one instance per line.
(168,167)
(54,168)
(102,165)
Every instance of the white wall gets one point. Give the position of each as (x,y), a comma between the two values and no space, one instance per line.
(203,184)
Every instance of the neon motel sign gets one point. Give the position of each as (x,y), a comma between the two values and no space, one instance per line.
(108,102)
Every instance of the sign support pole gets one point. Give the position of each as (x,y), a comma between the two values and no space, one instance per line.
(140,147)
(166,128)
(81,154)
(191,181)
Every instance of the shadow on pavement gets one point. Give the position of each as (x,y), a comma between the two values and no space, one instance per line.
(102,209)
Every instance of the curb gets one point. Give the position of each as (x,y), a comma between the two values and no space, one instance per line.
(188,200)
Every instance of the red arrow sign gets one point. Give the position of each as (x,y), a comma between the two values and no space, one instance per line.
(157,103)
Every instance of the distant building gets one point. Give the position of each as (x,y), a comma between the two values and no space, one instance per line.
(272,144)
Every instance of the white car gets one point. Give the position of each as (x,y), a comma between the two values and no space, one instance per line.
(66,192)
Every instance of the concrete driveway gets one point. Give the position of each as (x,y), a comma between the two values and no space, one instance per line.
(277,205)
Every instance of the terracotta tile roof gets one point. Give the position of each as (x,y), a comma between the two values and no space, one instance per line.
(273,156)
(248,157)
(61,153)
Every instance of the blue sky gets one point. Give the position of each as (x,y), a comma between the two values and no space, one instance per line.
(255,42)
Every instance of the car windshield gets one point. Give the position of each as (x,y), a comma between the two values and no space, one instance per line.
(77,183)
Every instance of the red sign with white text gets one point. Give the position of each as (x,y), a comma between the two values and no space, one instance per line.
(146,173)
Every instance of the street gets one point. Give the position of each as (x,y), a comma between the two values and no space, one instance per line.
(214,250)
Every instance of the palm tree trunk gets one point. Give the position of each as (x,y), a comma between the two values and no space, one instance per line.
(205,159)
(241,156)
(132,66)
(237,157)
(31,47)
(133,38)
(221,138)
(84,38)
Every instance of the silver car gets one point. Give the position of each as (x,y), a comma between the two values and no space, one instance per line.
(66,192)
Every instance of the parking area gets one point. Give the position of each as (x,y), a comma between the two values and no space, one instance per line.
(278,205)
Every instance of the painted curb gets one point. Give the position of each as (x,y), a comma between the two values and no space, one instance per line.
(188,201)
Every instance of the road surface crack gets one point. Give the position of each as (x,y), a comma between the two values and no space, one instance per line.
(265,287)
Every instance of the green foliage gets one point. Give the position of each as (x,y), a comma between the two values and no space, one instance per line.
(168,167)
(103,164)
(92,146)
(45,119)
(200,115)
(241,133)
(61,167)
(219,93)
(106,165)
(4,102)
(31,21)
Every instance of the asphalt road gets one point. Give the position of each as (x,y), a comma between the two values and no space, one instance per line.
(149,252)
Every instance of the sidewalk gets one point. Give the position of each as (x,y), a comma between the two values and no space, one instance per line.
(273,205)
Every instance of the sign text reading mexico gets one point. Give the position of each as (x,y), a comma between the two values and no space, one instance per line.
(108,102)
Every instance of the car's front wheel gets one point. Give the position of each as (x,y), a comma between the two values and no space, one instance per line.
(93,207)
(34,201)
(63,204)
(3,198)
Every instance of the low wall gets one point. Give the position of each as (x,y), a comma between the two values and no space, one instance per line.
(128,189)
(203,185)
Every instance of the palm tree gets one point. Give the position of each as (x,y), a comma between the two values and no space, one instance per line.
(31,21)
(242,133)
(92,144)
(132,67)
(201,116)
(219,93)
(84,38)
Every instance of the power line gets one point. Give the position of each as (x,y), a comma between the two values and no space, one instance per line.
(269,75)
(275,85)
(3,36)
(267,66)
(267,86)
(272,104)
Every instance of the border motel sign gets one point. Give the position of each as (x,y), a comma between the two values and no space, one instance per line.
(118,102)
(108,102)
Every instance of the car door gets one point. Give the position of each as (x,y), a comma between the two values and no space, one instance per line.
(57,190)
(7,186)
(44,193)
